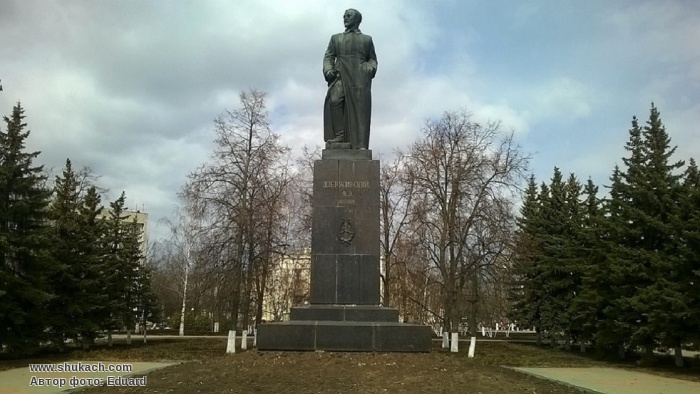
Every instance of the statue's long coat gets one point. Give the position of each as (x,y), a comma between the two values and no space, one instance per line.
(352,54)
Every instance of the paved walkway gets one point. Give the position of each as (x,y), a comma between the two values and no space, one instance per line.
(616,380)
(22,380)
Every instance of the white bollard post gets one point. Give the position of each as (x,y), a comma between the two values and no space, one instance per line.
(231,344)
(472,347)
(216,326)
(454,343)
(483,331)
(445,340)
(255,337)
(244,340)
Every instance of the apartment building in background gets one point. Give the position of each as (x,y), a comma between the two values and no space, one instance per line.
(288,285)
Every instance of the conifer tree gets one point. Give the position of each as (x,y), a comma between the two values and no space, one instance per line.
(561,262)
(25,263)
(78,284)
(689,270)
(146,301)
(526,287)
(573,256)
(615,327)
(119,270)
(646,227)
(655,216)
(552,210)
(92,233)
(588,305)
(66,251)
(135,285)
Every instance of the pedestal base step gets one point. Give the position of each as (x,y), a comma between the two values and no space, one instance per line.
(309,335)
(365,313)
(342,151)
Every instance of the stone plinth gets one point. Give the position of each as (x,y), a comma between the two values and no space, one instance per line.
(345,314)
(345,232)
(344,336)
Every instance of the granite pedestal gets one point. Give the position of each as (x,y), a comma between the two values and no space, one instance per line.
(344,312)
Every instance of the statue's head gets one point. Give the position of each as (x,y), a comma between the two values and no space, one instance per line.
(352,18)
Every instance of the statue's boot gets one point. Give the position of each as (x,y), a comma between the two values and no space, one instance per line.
(339,137)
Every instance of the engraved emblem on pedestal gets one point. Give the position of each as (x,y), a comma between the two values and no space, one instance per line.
(347,231)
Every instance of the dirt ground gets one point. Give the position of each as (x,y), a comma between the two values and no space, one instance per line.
(205,368)
(263,372)
(328,372)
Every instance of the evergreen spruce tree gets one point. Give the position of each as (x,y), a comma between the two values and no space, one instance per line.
(591,300)
(561,262)
(25,262)
(573,255)
(689,270)
(121,268)
(551,270)
(147,308)
(614,329)
(526,287)
(135,286)
(662,225)
(655,215)
(114,270)
(77,282)
(647,231)
(66,252)
(92,233)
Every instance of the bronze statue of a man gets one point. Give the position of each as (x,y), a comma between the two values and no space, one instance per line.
(349,66)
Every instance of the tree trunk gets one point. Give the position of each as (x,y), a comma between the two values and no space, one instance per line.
(678,356)
(648,357)
(247,289)
(184,301)
(473,304)
(235,305)
(454,320)
(621,351)
(109,338)
(86,342)
(387,268)
(259,307)
(245,307)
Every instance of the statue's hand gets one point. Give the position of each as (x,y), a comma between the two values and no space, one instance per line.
(331,75)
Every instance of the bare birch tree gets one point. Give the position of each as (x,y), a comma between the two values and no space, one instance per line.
(395,202)
(237,193)
(181,245)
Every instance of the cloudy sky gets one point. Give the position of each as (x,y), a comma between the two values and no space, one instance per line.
(131,88)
